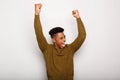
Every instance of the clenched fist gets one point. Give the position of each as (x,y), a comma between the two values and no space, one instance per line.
(37,8)
(75,13)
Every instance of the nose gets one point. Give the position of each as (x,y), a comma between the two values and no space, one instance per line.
(64,40)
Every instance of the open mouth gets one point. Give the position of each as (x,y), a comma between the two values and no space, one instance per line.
(63,44)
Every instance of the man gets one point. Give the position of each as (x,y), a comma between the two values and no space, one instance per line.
(58,56)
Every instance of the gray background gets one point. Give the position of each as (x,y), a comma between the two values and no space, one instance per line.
(97,59)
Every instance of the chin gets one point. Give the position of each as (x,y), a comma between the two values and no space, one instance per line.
(62,46)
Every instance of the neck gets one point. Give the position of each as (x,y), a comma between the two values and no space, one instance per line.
(56,46)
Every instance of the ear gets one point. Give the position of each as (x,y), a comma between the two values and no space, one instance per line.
(53,40)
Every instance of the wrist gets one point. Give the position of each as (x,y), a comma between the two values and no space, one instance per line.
(36,13)
(77,17)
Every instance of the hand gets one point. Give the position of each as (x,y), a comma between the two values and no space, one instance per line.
(38,8)
(75,13)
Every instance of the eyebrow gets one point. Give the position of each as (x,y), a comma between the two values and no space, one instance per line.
(64,35)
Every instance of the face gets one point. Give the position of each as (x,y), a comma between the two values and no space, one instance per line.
(59,40)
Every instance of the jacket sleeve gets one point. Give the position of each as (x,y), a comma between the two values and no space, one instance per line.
(42,43)
(75,45)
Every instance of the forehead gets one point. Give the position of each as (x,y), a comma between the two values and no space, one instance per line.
(60,34)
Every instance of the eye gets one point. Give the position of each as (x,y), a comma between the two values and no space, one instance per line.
(64,36)
(61,38)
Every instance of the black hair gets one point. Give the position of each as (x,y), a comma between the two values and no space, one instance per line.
(55,31)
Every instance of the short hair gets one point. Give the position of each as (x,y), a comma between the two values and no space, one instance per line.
(55,31)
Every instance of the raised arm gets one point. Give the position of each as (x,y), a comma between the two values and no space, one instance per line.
(75,45)
(42,43)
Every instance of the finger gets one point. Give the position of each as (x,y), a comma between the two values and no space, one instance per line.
(73,12)
(40,5)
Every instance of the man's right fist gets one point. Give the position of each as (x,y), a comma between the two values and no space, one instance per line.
(37,8)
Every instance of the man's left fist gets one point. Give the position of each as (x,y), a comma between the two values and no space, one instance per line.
(75,13)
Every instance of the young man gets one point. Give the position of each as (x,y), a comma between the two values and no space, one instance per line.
(58,56)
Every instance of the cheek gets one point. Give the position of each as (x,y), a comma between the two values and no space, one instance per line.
(59,41)
(65,39)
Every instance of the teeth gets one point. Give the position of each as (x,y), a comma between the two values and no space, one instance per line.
(63,45)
